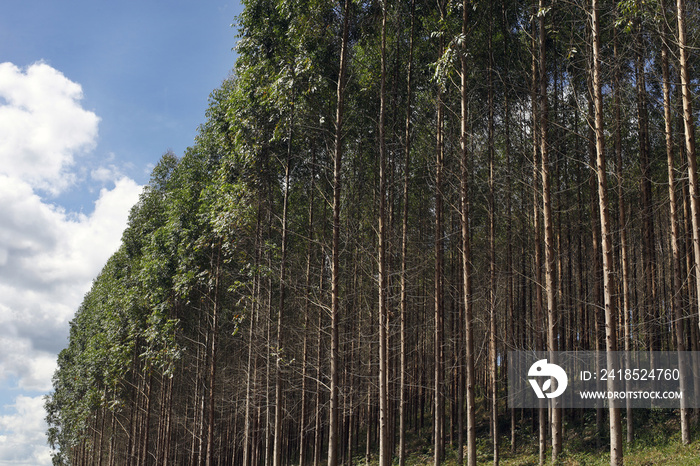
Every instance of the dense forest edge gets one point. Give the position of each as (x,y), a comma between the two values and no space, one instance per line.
(387,197)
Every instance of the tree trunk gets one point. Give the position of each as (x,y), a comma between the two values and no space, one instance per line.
(438,409)
(550,286)
(676,282)
(335,271)
(624,248)
(277,455)
(404,249)
(689,141)
(493,356)
(307,306)
(606,236)
(648,243)
(466,251)
(384,440)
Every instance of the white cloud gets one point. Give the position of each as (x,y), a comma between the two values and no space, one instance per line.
(42,126)
(27,444)
(51,258)
(48,255)
(106,174)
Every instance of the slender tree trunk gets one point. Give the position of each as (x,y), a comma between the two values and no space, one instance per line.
(253,317)
(466,251)
(676,288)
(538,311)
(493,356)
(147,418)
(318,437)
(404,248)
(689,141)
(624,248)
(307,306)
(384,439)
(168,423)
(512,330)
(277,455)
(438,409)
(201,409)
(648,243)
(550,286)
(268,353)
(212,361)
(133,415)
(335,271)
(113,435)
(606,236)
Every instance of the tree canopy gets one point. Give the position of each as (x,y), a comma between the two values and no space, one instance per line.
(352,245)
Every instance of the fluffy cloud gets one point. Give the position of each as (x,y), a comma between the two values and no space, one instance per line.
(42,126)
(48,255)
(51,256)
(26,446)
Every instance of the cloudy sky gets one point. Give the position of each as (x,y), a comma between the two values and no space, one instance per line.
(91,95)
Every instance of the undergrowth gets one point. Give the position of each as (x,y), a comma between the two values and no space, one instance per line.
(657,441)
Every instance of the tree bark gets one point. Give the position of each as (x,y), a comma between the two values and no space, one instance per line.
(493,356)
(335,271)
(404,248)
(689,141)
(606,236)
(277,455)
(676,281)
(384,440)
(438,412)
(466,250)
(648,243)
(550,285)
(624,247)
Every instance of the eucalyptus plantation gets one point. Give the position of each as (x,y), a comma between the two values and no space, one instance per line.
(384,200)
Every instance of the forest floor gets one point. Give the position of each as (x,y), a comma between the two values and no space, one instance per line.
(657,442)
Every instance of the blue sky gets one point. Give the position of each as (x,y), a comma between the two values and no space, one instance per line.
(92,93)
(146,67)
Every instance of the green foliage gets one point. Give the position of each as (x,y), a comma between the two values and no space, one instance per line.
(201,258)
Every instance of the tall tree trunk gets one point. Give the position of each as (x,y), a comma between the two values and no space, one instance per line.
(466,251)
(648,243)
(676,288)
(550,286)
(512,330)
(624,248)
(268,352)
(335,271)
(606,236)
(689,141)
(216,263)
(250,377)
(493,356)
(384,440)
(438,408)
(147,417)
(404,247)
(538,312)
(307,307)
(277,455)
(318,427)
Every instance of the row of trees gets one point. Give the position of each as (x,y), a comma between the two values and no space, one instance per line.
(386,197)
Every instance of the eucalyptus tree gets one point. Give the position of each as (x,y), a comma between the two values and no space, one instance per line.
(689,131)
(606,235)
(465,243)
(335,267)
(337,206)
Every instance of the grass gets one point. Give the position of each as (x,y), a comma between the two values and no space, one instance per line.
(657,442)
